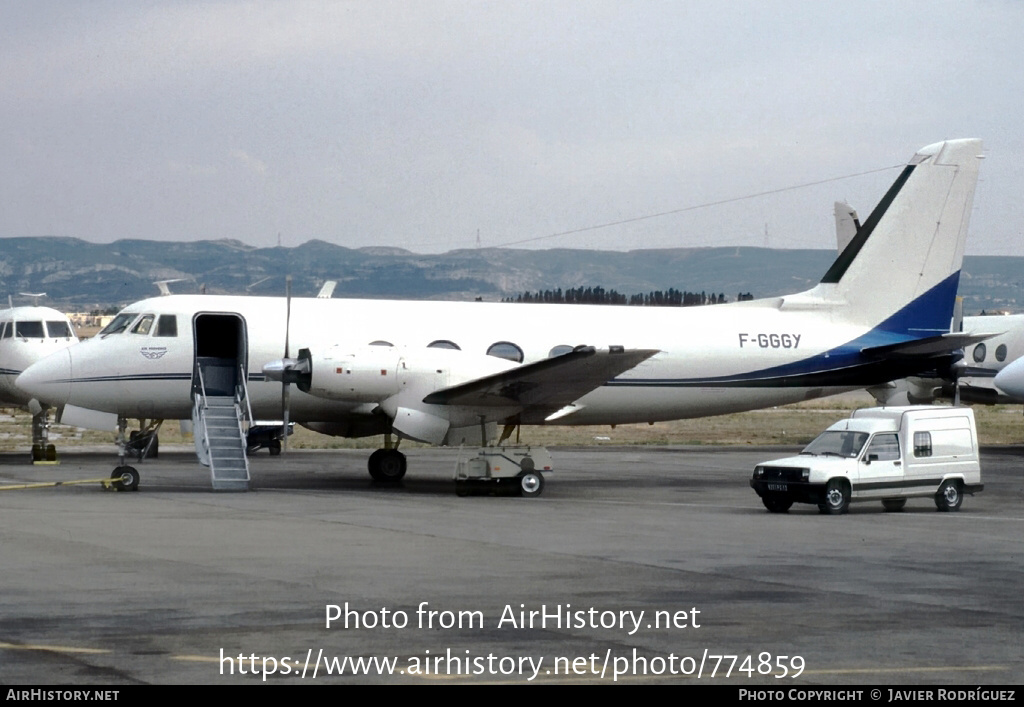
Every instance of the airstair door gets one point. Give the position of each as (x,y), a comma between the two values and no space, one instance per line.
(220,398)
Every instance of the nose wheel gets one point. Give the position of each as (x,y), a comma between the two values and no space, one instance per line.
(126,478)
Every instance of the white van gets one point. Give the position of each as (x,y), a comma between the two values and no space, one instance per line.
(887,454)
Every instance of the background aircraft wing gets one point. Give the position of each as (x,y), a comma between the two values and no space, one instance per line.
(550,384)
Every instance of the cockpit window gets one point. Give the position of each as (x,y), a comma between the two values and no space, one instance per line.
(167,325)
(58,330)
(119,323)
(30,330)
(144,325)
(5,331)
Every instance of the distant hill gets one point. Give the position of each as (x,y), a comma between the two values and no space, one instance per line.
(80,275)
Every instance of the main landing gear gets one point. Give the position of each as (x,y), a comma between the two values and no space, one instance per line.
(387,465)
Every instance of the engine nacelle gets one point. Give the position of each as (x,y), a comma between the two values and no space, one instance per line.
(376,373)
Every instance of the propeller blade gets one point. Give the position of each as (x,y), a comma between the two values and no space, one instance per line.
(285,392)
(285,404)
(288,312)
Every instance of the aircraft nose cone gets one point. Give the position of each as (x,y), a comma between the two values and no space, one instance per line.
(1010,380)
(48,380)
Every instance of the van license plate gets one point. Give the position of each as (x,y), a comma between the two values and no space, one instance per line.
(778,487)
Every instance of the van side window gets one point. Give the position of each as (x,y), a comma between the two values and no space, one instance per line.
(922,444)
(885,446)
(167,325)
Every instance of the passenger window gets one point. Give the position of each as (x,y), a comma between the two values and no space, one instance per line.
(58,330)
(886,447)
(506,350)
(559,350)
(444,344)
(30,330)
(1001,352)
(979,353)
(922,444)
(166,325)
(144,325)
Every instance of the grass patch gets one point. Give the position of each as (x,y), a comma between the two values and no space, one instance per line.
(795,424)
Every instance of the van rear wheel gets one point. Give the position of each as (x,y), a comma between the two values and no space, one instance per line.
(949,497)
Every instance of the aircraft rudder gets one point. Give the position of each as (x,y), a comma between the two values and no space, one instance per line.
(902,267)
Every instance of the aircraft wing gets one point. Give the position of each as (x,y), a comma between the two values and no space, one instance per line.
(931,346)
(550,384)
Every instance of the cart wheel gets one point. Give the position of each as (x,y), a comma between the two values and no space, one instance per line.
(531,484)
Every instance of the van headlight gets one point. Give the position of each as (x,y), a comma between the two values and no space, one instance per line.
(805,474)
(758,472)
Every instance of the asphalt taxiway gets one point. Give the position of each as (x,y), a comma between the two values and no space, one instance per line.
(177,584)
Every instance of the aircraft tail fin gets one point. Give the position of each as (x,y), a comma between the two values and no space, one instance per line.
(900,271)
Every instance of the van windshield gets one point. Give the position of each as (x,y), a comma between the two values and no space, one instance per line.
(840,443)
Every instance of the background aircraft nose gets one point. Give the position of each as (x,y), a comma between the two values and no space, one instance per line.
(48,380)
(1010,380)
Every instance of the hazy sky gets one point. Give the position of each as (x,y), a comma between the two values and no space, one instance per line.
(418,124)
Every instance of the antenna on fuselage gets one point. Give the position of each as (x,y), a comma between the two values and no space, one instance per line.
(35,297)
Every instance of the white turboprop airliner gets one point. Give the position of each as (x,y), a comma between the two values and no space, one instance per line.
(27,335)
(449,372)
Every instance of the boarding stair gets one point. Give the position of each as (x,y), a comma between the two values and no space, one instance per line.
(218,421)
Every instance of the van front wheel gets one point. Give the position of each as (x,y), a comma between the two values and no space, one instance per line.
(949,496)
(837,498)
(776,504)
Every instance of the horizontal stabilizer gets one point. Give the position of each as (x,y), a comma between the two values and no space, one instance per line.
(930,346)
(550,384)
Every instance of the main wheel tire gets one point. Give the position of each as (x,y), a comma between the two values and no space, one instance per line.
(274,446)
(387,465)
(949,497)
(777,504)
(531,484)
(894,504)
(837,498)
(126,478)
